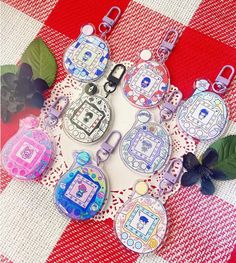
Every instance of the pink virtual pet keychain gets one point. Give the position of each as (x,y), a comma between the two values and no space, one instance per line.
(28,153)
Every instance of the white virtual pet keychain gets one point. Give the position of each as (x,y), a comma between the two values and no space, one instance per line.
(89,117)
(141,223)
(204,115)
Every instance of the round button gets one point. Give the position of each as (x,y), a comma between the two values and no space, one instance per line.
(130,242)
(22,172)
(138,245)
(146,54)
(14,170)
(143,116)
(82,158)
(124,235)
(91,89)
(87,30)
(141,188)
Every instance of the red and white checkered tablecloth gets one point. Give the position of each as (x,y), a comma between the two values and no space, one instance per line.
(202,229)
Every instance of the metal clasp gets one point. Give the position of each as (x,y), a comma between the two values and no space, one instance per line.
(167,44)
(56,110)
(169,179)
(169,107)
(221,83)
(108,22)
(107,147)
(114,79)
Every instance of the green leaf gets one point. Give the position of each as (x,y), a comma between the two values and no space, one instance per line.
(8,69)
(42,61)
(226,148)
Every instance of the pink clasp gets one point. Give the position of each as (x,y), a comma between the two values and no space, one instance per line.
(107,147)
(170,106)
(108,22)
(169,179)
(221,83)
(56,110)
(168,44)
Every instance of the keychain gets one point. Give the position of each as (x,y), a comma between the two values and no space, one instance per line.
(28,153)
(87,57)
(88,118)
(81,192)
(146,147)
(56,110)
(146,83)
(141,223)
(204,115)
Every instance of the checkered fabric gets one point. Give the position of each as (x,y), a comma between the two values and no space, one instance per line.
(201,229)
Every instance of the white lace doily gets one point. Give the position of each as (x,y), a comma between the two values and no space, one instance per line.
(121,179)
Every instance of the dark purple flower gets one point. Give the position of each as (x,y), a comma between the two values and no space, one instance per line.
(18,90)
(202,171)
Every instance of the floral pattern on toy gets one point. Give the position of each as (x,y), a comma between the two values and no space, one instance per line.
(28,153)
(86,58)
(146,83)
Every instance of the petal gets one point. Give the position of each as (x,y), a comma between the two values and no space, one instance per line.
(190,161)
(24,87)
(10,80)
(36,101)
(25,71)
(189,178)
(207,187)
(210,157)
(40,85)
(218,175)
(5,115)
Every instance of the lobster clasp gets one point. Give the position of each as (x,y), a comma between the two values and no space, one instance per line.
(108,22)
(169,177)
(108,146)
(221,83)
(56,110)
(168,44)
(170,106)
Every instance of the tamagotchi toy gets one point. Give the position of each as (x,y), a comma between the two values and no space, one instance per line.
(141,223)
(204,115)
(86,58)
(146,83)
(28,153)
(89,117)
(81,192)
(146,147)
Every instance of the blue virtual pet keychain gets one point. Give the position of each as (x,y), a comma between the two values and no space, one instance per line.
(81,192)
(87,57)
(204,115)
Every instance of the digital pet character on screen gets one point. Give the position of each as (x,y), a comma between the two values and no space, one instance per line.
(81,191)
(142,222)
(203,113)
(145,82)
(87,117)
